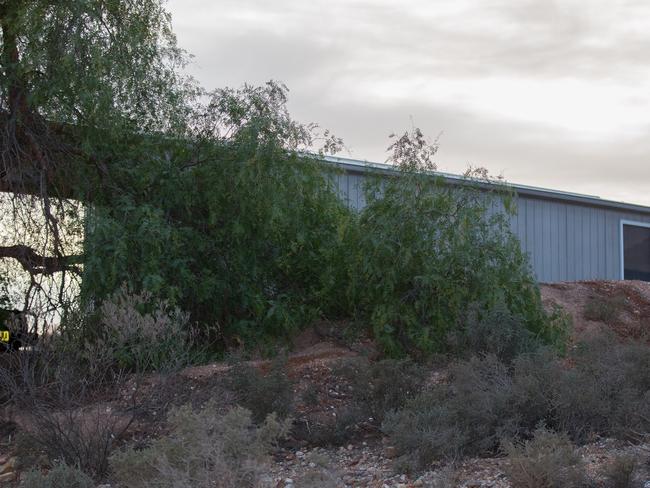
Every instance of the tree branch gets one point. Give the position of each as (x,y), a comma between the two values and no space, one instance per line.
(36,264)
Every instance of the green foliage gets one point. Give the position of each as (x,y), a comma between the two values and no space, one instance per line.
(234,227)
(262,394)
(428,249)
(203,447)
(60,476)
(548,460)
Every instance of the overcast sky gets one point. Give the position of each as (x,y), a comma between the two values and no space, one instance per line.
(547,93)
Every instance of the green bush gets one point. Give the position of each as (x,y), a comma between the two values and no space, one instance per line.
(548,460)
(202,447)
(60,476)
(427,250)
(236,226)
(262,394)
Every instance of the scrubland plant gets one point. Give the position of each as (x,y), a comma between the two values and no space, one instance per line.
(60,476)
(78,393)
(601,388)
(622,472)
(377,388)
(203,447)
(548,460)
(262,394)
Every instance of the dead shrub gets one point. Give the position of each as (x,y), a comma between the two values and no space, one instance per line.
(548,460)
(202,447)
(622,472)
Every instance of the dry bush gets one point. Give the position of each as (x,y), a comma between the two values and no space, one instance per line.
(622,472)
(76,398)
(548,460)
(60,476)
(495,331)
(202,447)
(468,416)
(605,309)
(261,393)
(603,389)
(380,387)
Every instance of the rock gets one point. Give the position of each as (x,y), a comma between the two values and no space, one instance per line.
(300,454)
(350,447)
(390,452)
(8,466)
(7,477)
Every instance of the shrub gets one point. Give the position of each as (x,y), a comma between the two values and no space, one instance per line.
(80,392)
(142,333)
(621,472)
(202,447)
(468,416)
(60,476)
(427,250)
(548,460)
(262,394)
(605,309)
(495,331)
(382,386)
(602,389)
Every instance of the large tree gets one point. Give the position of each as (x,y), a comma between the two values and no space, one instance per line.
(82,82)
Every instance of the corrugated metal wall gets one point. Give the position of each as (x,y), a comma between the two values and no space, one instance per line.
(565,241)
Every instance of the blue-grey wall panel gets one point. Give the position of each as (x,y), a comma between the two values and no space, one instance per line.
(565,241)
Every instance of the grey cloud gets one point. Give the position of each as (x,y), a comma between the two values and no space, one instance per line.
(325,51)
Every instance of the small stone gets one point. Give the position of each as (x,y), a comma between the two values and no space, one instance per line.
(350,447)
(312,465)
(8,466)
(288,481)
(6,477)
(390,452)
(300,454)
(402,478)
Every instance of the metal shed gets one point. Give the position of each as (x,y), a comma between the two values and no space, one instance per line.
(568,236)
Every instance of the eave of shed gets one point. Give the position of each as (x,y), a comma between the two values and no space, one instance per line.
(364,167)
